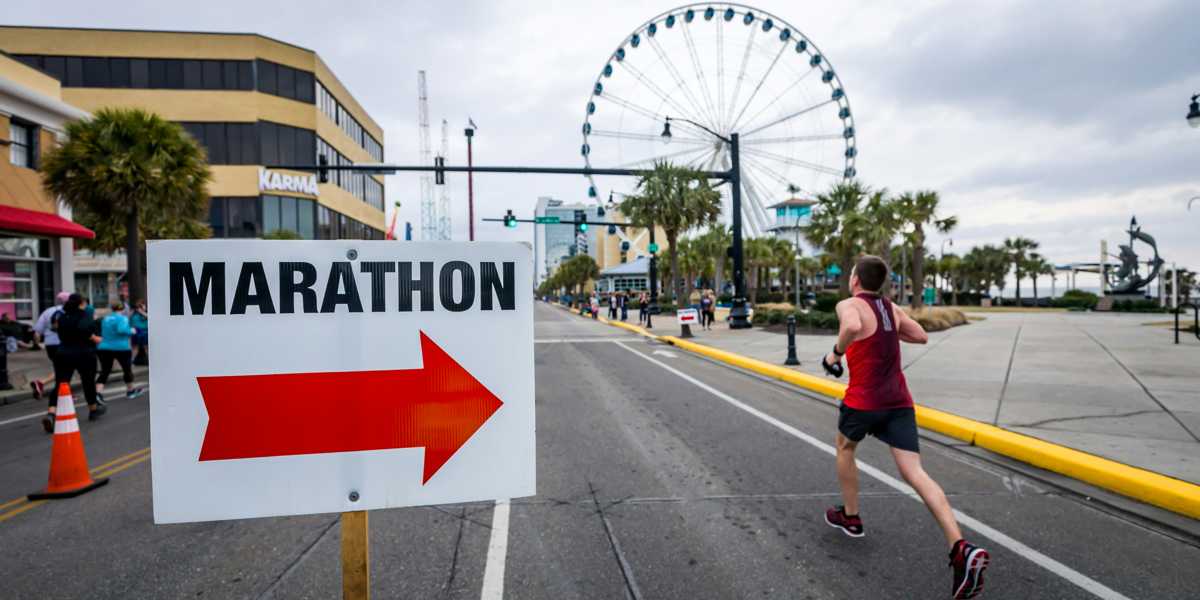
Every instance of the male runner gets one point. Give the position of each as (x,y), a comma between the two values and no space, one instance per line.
(877,402)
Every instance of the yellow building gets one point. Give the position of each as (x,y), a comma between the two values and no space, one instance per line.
(36,234)
(250,100)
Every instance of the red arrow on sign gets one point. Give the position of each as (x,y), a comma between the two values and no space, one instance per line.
(438,407)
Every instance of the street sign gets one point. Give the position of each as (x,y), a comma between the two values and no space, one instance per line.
(299,377)
(687,316)
(546,220)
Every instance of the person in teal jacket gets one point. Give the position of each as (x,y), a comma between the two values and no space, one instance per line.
(115,333)
(141,336)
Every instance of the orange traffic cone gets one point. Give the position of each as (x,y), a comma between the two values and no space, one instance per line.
(69,475)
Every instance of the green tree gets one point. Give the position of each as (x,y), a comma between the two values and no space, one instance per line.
(916,211)
(577,271)
(131,175)
(951,268)
(677,199)
(1018,250)
(1036,265)
(837,226)
(694,264)
(809,268)
(714,243)
(759,258)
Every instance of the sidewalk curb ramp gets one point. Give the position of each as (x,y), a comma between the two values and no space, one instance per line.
(1172,494)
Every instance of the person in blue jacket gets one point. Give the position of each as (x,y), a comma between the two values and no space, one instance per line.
(115,333)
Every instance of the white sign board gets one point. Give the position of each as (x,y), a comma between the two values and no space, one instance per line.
(298,377)
(687,316)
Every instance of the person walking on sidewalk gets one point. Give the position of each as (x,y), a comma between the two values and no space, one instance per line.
(612,306)
(76,352)
(115,334)
(45,331)
(642,308)
(623,302)
(707,316)
(878,402)
(140,321)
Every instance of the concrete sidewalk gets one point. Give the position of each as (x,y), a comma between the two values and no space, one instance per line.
(1103,384)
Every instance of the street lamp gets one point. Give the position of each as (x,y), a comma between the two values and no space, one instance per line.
(739,316)
(1193,117)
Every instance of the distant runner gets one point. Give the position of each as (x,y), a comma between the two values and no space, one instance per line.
(878,402)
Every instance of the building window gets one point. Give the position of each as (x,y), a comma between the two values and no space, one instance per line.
(23,146)
(146,73)
(235,217)
(284,81)
(291,213)
(226,143)
(347,123)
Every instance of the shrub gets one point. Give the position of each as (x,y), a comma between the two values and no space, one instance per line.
(775,317)
(1076,299)
(826,302)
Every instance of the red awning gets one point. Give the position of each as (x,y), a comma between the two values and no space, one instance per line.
(32,221)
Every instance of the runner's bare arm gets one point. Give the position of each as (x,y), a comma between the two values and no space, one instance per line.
(849,324)
(909,330)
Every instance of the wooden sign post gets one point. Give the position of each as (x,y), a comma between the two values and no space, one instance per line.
(356,559)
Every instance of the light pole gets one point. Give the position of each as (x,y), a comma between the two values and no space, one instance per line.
(470,133)
(1193,116)
(738,314)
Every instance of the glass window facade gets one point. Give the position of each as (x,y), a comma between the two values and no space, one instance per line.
(255,216)
(145,73)
(348,124)
(362,186)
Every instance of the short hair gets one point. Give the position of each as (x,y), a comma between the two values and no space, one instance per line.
(872,271)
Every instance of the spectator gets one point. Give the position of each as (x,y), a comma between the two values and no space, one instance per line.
(115,334)
(45,330)
(140,321)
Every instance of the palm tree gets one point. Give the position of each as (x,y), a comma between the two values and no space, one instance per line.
(1017,250)
(759,258)
(676,199)
(809,267)
(837,225)
(694,264)
(951,267)
(714,244)
(1035,266)
(577,271)
(131,175)
(918,209)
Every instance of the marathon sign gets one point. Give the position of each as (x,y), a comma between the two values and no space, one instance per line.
(273,181)
(300,377)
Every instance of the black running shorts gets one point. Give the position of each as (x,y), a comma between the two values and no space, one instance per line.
(896,427)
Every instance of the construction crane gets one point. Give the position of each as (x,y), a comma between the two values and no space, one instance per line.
(429,216)
(443,203)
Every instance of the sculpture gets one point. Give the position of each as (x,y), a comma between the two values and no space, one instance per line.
(1127,279)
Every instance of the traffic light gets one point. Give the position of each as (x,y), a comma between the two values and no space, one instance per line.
(612,230)
(510,220)
(323,173)
(581,221)
(653,248)
(439,176)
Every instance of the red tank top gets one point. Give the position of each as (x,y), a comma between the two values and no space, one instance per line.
(876,381)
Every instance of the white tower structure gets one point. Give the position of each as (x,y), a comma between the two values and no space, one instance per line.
(429,216)
(443,202)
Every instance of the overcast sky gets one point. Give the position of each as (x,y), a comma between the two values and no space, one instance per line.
(1056,121)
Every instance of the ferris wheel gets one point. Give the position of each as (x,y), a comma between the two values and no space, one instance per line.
(722,69)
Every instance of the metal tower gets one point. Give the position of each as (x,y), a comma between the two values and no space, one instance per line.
(429,217)
(443,202)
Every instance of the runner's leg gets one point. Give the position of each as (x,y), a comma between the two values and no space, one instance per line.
(931,493)
(847,471)
(106,363)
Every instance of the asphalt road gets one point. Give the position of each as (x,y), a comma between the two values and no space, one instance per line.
(660,475)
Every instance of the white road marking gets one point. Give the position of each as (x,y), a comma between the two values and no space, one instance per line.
(666,353)
(497,553)
(1094,587)
(41,414)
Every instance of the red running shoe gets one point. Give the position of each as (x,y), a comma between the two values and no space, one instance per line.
(850,525)
(968,562)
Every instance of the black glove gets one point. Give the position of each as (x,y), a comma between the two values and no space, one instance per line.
(834,369)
